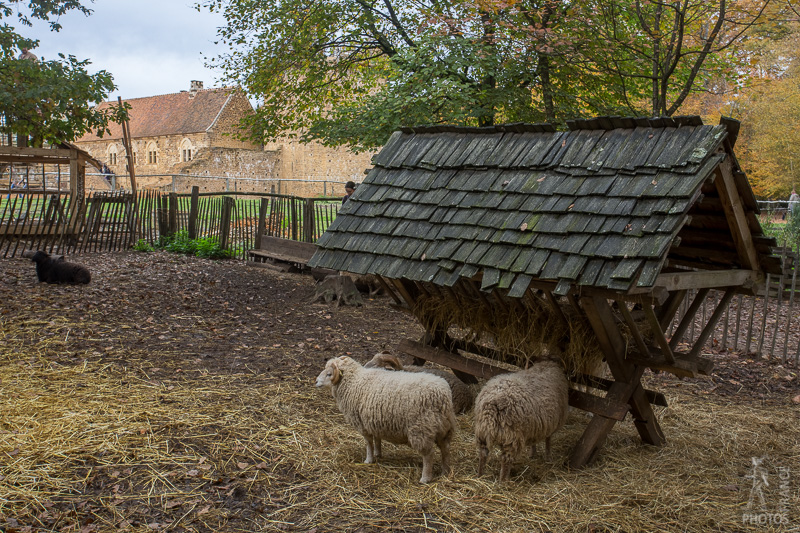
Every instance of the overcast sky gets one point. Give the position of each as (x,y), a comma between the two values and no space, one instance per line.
(150,46)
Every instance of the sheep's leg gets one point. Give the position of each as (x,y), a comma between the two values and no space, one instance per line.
(547,455)
(427,467)
(444,446)
(370,450)
(483,454)
(376,448)
(532,450)
(507,457)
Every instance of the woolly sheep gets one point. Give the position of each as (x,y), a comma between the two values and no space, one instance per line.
(56,270)
(402,408)
(463,398)
(519,409)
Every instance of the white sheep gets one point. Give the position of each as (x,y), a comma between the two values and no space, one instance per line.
(400,407)
(516,410)
(463,398)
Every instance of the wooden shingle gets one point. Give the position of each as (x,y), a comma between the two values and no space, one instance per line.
(597,206)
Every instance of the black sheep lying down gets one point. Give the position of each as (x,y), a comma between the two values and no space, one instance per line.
(56,270)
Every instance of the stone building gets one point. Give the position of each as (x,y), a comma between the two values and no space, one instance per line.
(189,138)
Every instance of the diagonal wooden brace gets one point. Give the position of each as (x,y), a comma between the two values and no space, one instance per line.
(627,387)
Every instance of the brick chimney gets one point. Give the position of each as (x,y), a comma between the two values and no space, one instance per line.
(195,86)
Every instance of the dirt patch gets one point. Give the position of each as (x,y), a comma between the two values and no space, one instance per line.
(176,394)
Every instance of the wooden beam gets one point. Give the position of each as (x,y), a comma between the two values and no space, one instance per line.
(450,359)
(712,322)
(655,398)
(604,407)
(688,318)
(667,311)
(634,329)
(626,387)
(676,281)
(13,151)
(658,334)
(734,212)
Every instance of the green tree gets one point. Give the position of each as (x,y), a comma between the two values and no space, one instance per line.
(671,48)
(352,71)
(48,101)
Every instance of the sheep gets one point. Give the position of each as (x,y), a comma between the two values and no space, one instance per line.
(519,409)
(463,398)
(402,408)
(56,270)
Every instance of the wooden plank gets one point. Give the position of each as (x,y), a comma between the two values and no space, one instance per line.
(604,407)
(676,281)
(667,311)
(450,359)
(299,252)
(655,398)
(734,211)
(64,153)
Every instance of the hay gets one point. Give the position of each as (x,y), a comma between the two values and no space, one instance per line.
(141,448)
(523,330)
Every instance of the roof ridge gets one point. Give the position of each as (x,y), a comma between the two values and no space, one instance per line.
(610,122)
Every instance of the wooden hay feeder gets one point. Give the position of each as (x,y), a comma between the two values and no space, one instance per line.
(510,241)
(62,154)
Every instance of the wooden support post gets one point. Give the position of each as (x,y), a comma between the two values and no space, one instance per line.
(225,223)
(627,387)
(173,213)
(193,212)
(262,222)
(308,221)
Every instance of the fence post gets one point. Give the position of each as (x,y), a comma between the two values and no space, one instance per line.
(308,221)
(163,226)
(173,213)
(293,203)
(193,212)
(262,222)
(225,222)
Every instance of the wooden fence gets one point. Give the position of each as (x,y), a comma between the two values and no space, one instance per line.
(109,221)
(112,221)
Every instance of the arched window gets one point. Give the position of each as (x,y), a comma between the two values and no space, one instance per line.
(111,156)
(152,153)
(186,151)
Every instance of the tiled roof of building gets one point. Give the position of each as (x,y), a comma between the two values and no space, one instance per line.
(598,206)
(170,114)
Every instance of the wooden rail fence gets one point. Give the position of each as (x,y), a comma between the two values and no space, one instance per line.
(114,221)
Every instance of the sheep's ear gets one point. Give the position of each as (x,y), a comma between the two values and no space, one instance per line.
(391,361)
(337,374)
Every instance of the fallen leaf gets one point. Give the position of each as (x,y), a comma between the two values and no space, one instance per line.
(524,226)
(242,466)
(204,510)
(796,399)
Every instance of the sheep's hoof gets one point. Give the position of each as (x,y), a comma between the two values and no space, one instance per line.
(425,480)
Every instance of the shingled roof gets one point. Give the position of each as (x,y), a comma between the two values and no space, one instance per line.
(170,114)
(602,205)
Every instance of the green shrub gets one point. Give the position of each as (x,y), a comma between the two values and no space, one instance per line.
(180,243)
(143,246)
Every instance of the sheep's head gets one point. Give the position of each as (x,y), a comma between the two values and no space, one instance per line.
(332,373)
(40,257)
(384,360)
